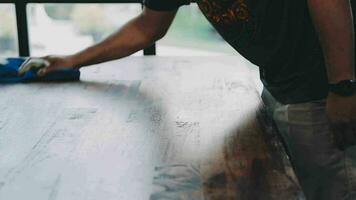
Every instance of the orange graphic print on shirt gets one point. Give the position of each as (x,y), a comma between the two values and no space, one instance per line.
(232,19)
(225,11)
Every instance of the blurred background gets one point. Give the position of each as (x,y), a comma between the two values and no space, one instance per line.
(67,28)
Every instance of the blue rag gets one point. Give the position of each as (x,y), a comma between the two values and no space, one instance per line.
(9,73)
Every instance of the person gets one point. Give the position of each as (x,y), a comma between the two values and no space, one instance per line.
(305,53)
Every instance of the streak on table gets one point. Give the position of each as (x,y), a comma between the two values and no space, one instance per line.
(141,128)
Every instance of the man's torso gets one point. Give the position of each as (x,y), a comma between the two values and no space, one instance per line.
(276,35)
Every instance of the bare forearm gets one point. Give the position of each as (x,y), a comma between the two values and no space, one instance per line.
(131,38)
(334,24)
(137,34)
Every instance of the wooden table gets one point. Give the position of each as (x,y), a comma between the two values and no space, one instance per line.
(141,128)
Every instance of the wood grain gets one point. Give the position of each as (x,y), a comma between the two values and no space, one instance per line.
(142,128)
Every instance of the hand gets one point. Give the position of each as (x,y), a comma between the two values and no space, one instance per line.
(341,112)
(55,63)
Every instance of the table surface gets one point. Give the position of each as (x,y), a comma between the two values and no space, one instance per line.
(141,128)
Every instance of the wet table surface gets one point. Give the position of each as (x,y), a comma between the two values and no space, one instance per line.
(180,128)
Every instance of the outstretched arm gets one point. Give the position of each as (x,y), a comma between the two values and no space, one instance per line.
(135,35)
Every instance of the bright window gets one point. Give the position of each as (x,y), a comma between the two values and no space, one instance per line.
(8,31)
(68,28)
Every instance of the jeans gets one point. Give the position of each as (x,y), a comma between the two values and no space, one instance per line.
(324,172)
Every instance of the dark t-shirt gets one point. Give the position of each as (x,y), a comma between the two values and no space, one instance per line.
(276,35)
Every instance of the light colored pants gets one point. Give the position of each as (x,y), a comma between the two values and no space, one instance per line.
(324,172)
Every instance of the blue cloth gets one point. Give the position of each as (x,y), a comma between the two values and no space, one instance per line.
(9,73)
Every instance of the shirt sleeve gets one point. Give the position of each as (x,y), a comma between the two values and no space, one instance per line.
(165,5)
